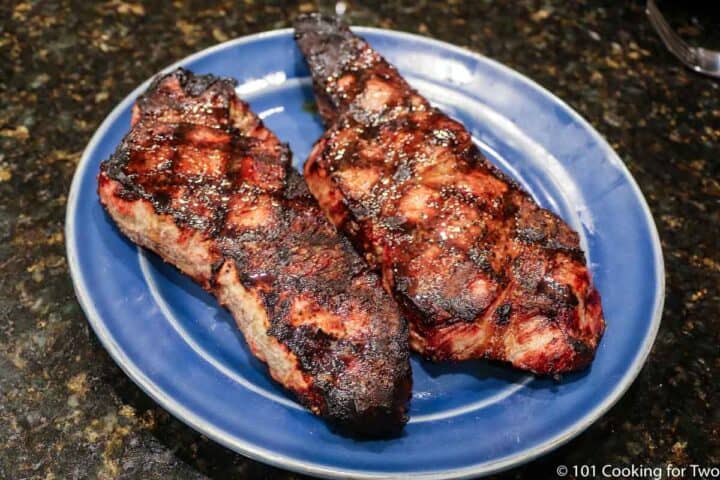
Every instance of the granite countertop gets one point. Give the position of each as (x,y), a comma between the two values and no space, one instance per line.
(66,409)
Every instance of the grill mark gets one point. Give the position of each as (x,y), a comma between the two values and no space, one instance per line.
(293,254)
(511,242)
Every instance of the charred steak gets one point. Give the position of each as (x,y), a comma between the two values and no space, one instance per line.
(480,270)
(200,181)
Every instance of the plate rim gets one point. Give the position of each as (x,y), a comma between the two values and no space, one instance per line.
(307,467)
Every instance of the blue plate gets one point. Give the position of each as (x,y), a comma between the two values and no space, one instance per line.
(470,419)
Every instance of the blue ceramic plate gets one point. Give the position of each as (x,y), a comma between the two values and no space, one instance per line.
(175,342)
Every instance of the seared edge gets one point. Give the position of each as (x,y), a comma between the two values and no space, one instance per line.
(200,181)
(479,269)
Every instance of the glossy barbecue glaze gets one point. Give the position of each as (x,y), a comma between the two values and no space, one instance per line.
(480,270)
(202,182)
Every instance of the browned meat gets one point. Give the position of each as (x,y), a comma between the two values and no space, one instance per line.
(480,270)
(203,183)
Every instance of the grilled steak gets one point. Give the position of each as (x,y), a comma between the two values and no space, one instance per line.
(480,270)
(200,181)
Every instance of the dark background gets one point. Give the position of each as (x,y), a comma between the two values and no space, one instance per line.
(67,411)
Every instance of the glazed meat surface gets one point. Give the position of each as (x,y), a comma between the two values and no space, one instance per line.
(480,270)
(200,181)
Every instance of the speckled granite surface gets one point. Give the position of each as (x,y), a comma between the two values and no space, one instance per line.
(67,411)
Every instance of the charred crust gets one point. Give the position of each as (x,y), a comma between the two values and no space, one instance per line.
(581,348)
(425,163)
(192,84)
(560,294)
(502,314)
(214,272)
(481,258)
(238,189)
(327,43)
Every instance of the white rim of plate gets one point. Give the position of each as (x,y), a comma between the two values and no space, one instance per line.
(267,456)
